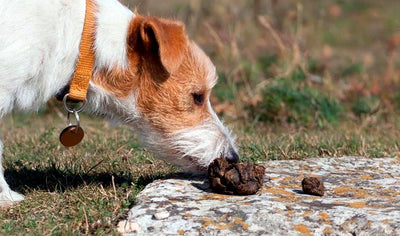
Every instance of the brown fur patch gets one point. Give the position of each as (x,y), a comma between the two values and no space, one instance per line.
(118,81)
(169,105)
(165,70)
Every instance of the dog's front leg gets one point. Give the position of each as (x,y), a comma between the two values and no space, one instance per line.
(7,196)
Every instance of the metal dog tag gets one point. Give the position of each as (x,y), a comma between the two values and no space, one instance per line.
(71,136)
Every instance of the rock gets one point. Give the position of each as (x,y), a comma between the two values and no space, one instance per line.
(313,186)
(237,178)
(362,197)
(127,226)
(160,215)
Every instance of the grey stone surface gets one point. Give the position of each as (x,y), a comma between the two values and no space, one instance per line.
(362,197)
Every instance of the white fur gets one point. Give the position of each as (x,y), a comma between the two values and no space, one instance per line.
(39,47)
(111,47)
(39,44)
(206,142)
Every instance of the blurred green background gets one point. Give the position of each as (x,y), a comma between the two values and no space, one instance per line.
(304,62)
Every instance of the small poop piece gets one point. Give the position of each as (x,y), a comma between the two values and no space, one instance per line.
(235,179)
(313,186)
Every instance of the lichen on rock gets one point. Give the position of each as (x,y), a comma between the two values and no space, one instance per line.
(362,197)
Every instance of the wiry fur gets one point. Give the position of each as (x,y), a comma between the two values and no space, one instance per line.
(145,73)
(205,142)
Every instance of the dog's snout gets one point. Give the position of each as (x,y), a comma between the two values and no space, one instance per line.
(232,156)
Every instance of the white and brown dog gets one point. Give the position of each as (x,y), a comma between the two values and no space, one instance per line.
(147,73)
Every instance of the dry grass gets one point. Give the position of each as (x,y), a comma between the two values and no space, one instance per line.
(341,51)
(85,189)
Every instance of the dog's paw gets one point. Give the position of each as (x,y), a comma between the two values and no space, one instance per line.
(9,197)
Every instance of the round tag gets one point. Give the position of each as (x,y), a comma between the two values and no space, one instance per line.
(71,136)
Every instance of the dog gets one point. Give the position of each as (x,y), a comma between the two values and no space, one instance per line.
(147,74)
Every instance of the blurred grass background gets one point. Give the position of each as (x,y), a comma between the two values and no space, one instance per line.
(297,79)
(296,61)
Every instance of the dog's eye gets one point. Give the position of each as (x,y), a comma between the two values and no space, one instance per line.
(198,98)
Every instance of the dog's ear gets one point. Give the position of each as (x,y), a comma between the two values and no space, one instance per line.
(158,40)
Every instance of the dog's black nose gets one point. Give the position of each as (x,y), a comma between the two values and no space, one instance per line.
(232,157)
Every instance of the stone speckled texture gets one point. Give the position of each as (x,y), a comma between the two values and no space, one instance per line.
(362,197)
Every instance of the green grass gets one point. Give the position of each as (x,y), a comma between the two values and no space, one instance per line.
(280,143)
(275,108)
(286,100)
(89,188)
(85,189)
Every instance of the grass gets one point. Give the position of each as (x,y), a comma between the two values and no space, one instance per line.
(297,80)
(287,100)
(89,188)
(86,189)
(282,143)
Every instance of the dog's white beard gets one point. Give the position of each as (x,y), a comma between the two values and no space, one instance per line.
(192,148)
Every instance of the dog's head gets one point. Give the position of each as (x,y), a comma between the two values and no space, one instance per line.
(171,79)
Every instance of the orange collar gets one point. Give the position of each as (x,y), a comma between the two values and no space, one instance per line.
(84,68)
